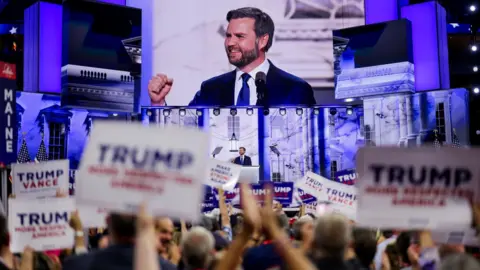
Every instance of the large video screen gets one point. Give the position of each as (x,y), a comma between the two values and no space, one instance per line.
(284,48)
(373,59)
(101,55)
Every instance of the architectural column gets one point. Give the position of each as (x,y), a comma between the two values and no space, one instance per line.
(45,129)
(306,142)
(402,119)
(412,136)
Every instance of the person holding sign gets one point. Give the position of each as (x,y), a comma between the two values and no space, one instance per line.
(122,230)
(242,159)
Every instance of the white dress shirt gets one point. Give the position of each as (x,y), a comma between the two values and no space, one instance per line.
(263,67)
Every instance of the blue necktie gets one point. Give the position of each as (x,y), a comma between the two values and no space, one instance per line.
(244,95)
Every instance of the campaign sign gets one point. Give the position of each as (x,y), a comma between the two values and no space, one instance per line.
(340,198)
(38,180)
(305,197)
(311,184)
(282,192)
(222,174)
(209,206)
(92,216)
(42,225)
(412,188)
(8,124)
(71,182)
(125,164)
(348,176)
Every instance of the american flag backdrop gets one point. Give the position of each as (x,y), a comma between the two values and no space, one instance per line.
(455,141)
(22,157)
(436,142)
(42,152)
(23,154)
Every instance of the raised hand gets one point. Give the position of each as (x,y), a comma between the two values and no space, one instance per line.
(61,193)
(146,257)
(158,88)
(27,259)
(251,214)
(75,222)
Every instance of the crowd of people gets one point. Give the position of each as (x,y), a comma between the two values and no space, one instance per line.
(260,236)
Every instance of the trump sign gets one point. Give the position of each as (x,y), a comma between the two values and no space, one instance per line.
(163,166)
(340,197)
(412,188)
(37,180)
(42,224)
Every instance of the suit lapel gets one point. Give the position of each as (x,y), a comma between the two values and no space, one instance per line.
(228,96)
(274,87)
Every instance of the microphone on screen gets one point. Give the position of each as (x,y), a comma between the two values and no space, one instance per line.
(261,84)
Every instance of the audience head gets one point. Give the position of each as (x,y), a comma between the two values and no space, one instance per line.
(198,247)
(122,228)
(459,261)
(402,243)
(332,235)
(365,245)
(445,250)
(4,235)
(165,230)
(303,228)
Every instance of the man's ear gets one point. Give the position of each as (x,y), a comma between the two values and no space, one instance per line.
(263,41)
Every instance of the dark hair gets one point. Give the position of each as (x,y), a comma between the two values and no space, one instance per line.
(123,226)
(241,147)
(263,23)
(4,235)
(387,233)
(365,245)
(402,243)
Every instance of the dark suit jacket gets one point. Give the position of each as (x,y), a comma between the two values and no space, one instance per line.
(283,89)
(117,257)
(247,161)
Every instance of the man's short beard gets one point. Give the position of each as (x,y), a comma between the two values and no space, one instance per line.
(247,57)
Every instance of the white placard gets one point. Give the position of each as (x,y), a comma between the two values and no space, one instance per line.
(125,164)
(416,188)
(92,217)
(467,237)
(41,224)
(341,198)
(38,180)
(222,174)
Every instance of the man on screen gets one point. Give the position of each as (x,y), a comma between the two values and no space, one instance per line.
(242,159)
(249,37)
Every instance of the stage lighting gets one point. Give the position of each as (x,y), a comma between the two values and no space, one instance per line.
(283,111)
(149,113)
(199,112)
(266,112)
(348,100)
(115,114)
(216,112)
(473,8)
(476,90)
(474,48)
(349,111)
(182,112)
(249,111)
(166,112)
(475,68)
(299,111)
(333,111)
(316,111)
(233,112)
